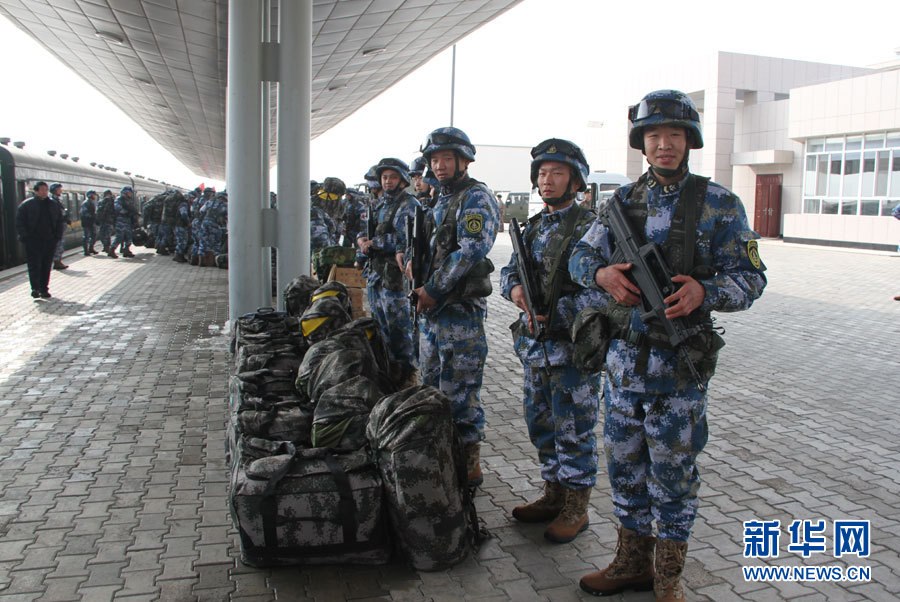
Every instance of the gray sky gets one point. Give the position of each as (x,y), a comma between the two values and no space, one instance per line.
(540,70)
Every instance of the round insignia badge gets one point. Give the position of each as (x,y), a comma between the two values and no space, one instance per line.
(753,253)
(474,222)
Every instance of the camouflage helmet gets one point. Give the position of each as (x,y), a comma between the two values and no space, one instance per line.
(90,192)
(333,288)
(123,191)
(55,186)
(448,138)
(371,178)
(563,151)
(395,164)
(333,186)
(665,107)
(107,193)
(417,167)
(322,318)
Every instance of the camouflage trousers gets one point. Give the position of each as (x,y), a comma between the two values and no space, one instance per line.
(181,240)
(88,236)
(195,237)
(152,230)
(163,236)
(561,417)
(104,234)
(652,442)
(452,350)
(124,232)
(392,312)
(211,238)
(60,247)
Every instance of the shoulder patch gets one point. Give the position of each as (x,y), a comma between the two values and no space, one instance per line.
(474,222)
(753,254)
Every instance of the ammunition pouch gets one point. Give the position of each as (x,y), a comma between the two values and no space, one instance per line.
(476,283)
(591,332)
(385,265)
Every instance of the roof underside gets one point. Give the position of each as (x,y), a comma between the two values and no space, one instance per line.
(169,72)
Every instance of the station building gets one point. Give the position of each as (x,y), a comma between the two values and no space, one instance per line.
(812,149)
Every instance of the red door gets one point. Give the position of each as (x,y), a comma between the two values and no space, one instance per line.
(767,218)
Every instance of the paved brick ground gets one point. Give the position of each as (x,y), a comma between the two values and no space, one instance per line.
(112,431)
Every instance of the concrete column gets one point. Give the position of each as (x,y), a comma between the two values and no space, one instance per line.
(294,85)
(266,255)
(718,134)
(243,164)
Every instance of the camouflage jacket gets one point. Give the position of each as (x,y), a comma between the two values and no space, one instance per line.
(544,234)
(321,228)
(724,241)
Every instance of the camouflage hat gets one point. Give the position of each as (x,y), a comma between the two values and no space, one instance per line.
(417,167)
(323,317)
(664,107)
(334,186)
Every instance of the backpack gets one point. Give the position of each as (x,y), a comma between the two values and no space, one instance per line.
(297,294)
(422,466)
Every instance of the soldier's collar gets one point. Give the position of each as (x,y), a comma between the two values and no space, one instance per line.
(555,216)
(653,183)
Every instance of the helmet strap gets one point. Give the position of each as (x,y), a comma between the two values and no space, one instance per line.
(667,172)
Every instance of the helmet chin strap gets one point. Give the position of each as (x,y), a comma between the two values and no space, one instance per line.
(565,198)
(667,172)
(457,173)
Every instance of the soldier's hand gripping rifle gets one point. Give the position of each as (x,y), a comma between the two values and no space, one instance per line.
(650,272)
(417,248)
(529,287)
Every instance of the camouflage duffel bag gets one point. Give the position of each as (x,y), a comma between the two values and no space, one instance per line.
(263,326)
(421,462)
(139,237)
(342,412)
(265,382)
(297,294)
(324,258)
(312,507)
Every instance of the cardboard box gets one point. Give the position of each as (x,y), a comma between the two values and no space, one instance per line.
(357,295)
(349,277)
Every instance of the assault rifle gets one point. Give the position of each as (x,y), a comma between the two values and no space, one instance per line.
(417,247)
(370,220)
(650,272)
(529,286)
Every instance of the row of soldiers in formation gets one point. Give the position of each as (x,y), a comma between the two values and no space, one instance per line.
(590,313)
(190,226)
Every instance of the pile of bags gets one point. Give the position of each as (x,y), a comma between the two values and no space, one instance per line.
(329,462)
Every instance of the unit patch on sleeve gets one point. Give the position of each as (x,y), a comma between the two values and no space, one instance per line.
(474,222)
(753,254)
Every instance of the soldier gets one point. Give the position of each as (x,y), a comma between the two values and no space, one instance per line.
(166,229)
(560,401)
(106,217)
(384,278)
(328,197)
(126,221)
(452,304)
(322,231)
(182,224)
(88,214)
(56,190)
(213,227)
(354,209)
(196,219)
(423,189)
(655,409)
(151,214)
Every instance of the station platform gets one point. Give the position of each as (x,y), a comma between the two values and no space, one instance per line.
(112,430)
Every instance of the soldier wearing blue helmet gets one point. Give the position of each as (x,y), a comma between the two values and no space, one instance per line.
(126,222)
(106,217)
(560,401)
(213,229)
(655,423)
(88,215)
(323,231)
(424,190)
(452,304)
(384,277)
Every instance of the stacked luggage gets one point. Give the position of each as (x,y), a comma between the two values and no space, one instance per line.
(306,486)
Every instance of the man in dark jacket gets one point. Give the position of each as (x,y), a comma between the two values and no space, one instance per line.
(40,226)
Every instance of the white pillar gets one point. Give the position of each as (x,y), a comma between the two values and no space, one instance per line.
(243,163)
(265,91)
(295,77)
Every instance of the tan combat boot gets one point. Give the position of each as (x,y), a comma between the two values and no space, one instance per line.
(545,508)
(473,464)
(632,568)
(572,519)
(669,566)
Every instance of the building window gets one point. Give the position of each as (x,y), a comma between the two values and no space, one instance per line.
(859,174)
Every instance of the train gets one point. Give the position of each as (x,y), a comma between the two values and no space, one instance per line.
(21,169)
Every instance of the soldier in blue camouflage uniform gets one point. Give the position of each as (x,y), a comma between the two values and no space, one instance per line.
(88,214)
(655,410)
(165,232)
(452,305)
(126,221)
(354,210)
(560,401)
(321,227)
(182,227)
(384,279)
(151,214)
(202,196)
(106,218)
(424,189)
(56,190)
(212,229)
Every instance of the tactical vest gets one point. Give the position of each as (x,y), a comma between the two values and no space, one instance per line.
(553,278)
(382,262)
(679,251)
(477,282)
